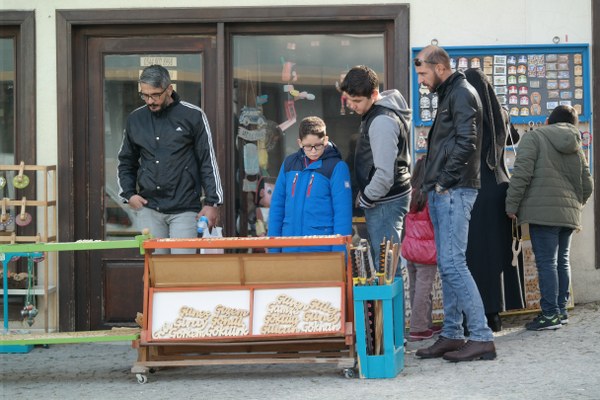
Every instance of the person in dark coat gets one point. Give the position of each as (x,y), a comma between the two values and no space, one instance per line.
(489,247)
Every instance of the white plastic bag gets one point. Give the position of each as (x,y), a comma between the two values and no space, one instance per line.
(215,232)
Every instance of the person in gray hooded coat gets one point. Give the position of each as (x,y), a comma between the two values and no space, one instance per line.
(551,183)
(382,158)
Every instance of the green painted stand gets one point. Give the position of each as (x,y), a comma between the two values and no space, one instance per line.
(36,250)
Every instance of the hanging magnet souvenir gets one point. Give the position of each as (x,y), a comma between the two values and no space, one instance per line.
(452,64)
(586,138)
(523,101)
(21,181)
(24,218)
(536,98)
(434,101)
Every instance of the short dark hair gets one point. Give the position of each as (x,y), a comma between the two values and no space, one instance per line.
(563,113)
(432,55)
(156,76)
(312,126)
(360,81)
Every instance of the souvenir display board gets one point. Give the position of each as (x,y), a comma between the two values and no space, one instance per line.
(530,81)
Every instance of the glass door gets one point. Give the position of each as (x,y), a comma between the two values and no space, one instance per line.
(109,282)
(121,72)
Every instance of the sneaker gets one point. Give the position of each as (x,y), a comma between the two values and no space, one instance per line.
(416,336)
(564,318)
(543,322)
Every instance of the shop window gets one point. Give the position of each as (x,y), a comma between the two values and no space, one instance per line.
(277,81)
(17,92)
(7,100)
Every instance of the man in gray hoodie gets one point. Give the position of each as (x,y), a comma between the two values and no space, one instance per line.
(382,158)
(551,182)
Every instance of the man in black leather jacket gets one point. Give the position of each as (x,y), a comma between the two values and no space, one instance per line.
(452,180)
(167,161)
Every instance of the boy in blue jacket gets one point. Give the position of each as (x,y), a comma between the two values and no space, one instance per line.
(313,194)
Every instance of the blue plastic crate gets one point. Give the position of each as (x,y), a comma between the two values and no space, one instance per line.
(15,348)
(391,362)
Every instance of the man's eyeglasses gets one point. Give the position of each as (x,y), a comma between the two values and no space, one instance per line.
(153,96)
(419,61)
(309,147)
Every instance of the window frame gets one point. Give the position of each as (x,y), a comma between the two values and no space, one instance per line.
(21,26)
(74,27)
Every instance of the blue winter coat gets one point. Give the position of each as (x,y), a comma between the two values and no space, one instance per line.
(312,199)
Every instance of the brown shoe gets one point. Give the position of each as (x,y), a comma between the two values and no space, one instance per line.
(440,347)
(473,350)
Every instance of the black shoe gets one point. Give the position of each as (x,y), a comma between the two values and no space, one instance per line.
(440,347)
(543,322)
(473,350)
(494,322)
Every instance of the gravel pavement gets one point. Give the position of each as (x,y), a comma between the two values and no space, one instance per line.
(561,364)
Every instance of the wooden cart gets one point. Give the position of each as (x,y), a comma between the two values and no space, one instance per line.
(246,308)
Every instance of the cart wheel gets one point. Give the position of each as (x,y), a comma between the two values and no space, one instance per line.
(348,373)
(152,370)
(141,378)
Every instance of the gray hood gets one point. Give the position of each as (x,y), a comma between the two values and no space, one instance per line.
(392,99)
(564,137)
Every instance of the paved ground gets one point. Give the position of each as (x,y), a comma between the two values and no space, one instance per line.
(562,364)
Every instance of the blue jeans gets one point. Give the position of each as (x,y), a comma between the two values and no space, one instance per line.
(386,220)
(551,245)
(180,226)
(450,214)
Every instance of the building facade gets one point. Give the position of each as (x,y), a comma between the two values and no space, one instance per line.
(69,76)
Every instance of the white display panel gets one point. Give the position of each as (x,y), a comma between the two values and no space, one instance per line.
(298,310)
(200,314)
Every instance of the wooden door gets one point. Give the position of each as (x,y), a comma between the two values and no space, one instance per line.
(109,282)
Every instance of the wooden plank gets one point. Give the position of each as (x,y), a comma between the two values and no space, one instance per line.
(247,242)
(184,363)
(72,246)
(114,335)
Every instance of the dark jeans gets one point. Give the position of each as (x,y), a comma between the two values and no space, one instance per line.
(551,246)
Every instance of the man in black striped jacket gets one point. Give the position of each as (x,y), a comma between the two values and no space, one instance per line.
(167,168)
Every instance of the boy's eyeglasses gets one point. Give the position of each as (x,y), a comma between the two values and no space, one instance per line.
(419,61)
(153,96)
(316,147)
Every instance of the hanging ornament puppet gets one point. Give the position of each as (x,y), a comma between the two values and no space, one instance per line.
(264,193)
(288,75)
